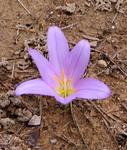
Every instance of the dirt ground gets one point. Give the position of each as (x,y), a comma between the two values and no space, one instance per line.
(82,125)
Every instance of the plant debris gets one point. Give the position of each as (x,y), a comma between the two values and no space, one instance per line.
(107,5)
(69,8)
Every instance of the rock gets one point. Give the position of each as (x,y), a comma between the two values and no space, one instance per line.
(11,93)
(15,148)
(18,112)
(70,8)
(7,122)
(15,101)
(93,44)
(35,120)
(104,5)
(4,103)
(26,56)
(17,52)
(113,1)
(22,64)
(2,113)
(119,7)
(102,63)
(4,62)
(8,68)
(23,115)
(53,141)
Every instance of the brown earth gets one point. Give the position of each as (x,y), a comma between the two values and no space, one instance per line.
(84,125)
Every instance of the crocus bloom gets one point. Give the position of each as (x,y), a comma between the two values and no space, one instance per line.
(61,75)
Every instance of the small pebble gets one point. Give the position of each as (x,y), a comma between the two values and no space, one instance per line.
(22,64)
(2,113)
(4,61)
(17,52)
(93,44)
(35,120)
(113,1)
(11,93)
(53,141)
(7,122)
(70,8)
(15,148)
(23,115)
(26,56)
(15,101)
(102,63)
(4,103)
(8,67)
(107,71)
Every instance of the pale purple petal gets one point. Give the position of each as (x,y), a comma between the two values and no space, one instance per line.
(77,60)
(35,86)
(57,48)
(66,100)
(90,88)
(43,66)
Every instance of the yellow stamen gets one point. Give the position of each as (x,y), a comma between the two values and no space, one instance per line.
(65,87)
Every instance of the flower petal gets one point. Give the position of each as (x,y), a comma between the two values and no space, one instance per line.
(35,86)
(77,60)
(57,47)
(65,100)
(43,66)
(90,88)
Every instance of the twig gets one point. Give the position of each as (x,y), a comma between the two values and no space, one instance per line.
(114,17)
(4,85)
(77,125)
(26,105)
(100,72)
(69,26)
(14,58)
(118,119)
(105,120)
(116,53)
(123,61)
(91,38)
(40,109)
(100,111)
(104,114)
(3,145)
(24,29)
(124,106)
(111,60)
(17,36)
(110,132)
(13,70)
(64,138)
(17,133)
(26,9)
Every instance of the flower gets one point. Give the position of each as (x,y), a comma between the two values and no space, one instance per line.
(61,75)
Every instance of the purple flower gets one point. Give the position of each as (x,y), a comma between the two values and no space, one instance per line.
(61,75)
